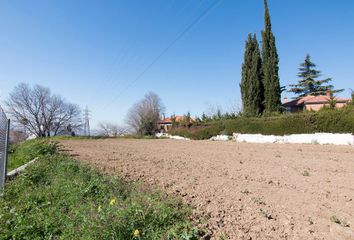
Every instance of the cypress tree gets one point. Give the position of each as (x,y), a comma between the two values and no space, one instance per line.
(257,89)
(251,82)
(246,66)
(308,83)
(272,89)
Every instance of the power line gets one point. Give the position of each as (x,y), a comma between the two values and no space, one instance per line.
(175,40)
(128,60)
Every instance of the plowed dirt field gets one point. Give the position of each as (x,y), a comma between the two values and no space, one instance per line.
(246,191)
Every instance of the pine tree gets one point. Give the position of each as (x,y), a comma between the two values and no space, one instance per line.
(251,82)
(308,85)
(272,89)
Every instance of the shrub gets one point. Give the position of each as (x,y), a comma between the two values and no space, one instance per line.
(281,125)
(326,120)
(200,132)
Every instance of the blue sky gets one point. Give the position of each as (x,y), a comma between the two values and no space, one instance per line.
(91,52)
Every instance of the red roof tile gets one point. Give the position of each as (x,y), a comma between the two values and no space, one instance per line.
(177,119)
(320,99)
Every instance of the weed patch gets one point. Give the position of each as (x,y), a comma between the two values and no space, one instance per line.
(343,223)
(266,214)
(306,173)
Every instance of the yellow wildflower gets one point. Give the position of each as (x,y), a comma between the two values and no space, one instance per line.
(112,202)
(99,208)
(136,233)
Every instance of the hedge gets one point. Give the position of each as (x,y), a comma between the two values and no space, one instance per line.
(326,120)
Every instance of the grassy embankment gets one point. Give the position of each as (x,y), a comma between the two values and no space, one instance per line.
(24,152)
(59,198)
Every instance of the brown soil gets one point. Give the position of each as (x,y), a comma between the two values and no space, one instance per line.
(247,191)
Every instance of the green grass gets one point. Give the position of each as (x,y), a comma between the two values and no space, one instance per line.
(24,152)
(59,198)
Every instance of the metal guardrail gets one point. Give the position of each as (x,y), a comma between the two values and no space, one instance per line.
(4,144)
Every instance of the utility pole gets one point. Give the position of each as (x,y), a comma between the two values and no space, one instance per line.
(86,122)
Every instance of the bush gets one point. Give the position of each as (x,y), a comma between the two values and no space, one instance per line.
(336,121)
(199,132)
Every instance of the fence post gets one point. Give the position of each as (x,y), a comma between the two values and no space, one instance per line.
(5,152)
(7,142)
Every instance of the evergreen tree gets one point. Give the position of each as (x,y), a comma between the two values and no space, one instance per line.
(257,88)
(246,66)
(204,117)
(308,85)
(332,102)
(272,89)
(251,82)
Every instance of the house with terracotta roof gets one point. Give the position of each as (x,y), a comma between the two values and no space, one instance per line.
(313,103)
(166,124)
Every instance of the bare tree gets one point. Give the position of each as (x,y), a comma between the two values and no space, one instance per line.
(42,113)
(143,116)
(110,129)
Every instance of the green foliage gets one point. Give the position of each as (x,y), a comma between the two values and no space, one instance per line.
(174,121)
(58,198)
(217,116)
(132,136)
(332,102)
(205,118)
(251,82)
(147,127)
(279,125)
(272,89)
(200,132)
(186,120)
(24,152)
(336,121)
(326,120)
(308,83)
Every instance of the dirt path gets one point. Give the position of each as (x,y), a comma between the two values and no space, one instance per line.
(249,191)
